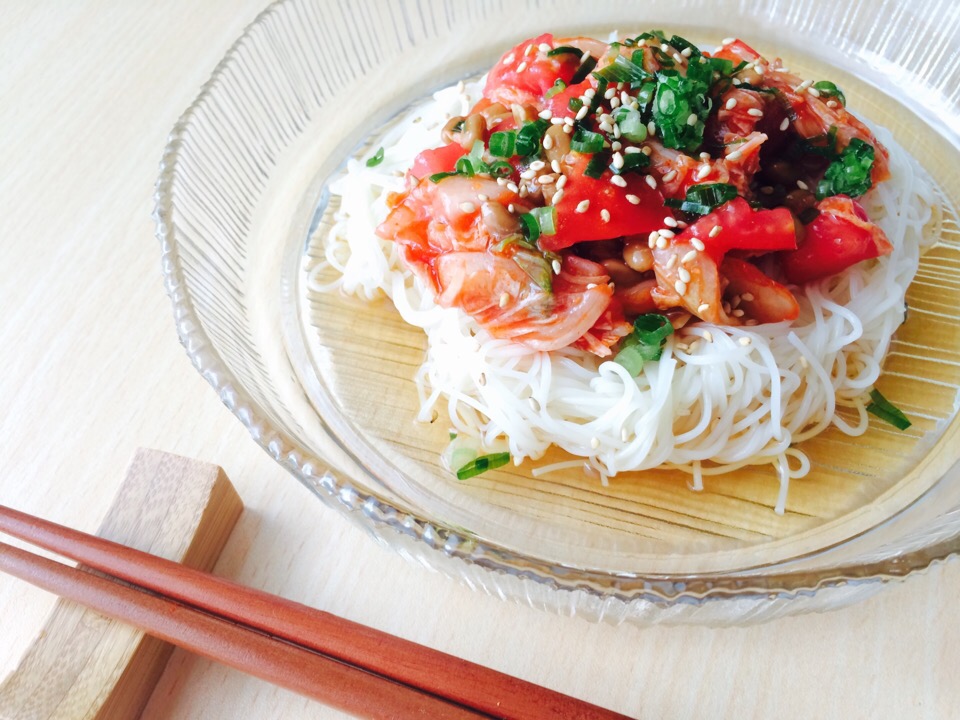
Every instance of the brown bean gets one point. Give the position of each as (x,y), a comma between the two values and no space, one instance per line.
(620,273)
(450,132)
(638,256)
(473,129)
(799,200)
(780,171)
(494,114)
(559,143)
(636,299)
(498,219)
(523,113)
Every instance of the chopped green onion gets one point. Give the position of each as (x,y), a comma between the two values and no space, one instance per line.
(631,123)
(825,144)
(596,166)
(376,159)
(464,166)
(501,168)
(586,142)
(678,98)
(534,264)
(530,227)
(682,44)
(502,143)
(828,89)
(586,67)
(546,218)
(651,35)
(645,343)
(631,163)
(558,87)
(712,195)
(482,464)
(437,177)
(575,104)
(886,410)
(453,435)
(565,50)
(530,136)
(513,239)
(623,70)
(850,173)
(597,97)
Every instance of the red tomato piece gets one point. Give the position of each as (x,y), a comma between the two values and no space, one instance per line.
(736,51)
(437,160)
(840,236)
(743,228)
(524,77)
(626,218)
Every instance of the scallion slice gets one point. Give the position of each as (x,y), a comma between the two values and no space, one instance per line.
(482,464)
(631,123)
(849,174)
(547,219)
(586,142)
(565,50)
(598,163)
(501,168)
(530,136)
(623,70)
(886,410)
(558,87)
(530,227)
(534,264)
(502,143)
(829,89)
(376,159)
(586,67)
(709,195)
(437,177)
(645,343)
(631,163)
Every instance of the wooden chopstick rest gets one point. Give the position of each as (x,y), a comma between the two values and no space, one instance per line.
(84,666)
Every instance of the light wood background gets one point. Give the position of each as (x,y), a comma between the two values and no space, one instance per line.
(90,368)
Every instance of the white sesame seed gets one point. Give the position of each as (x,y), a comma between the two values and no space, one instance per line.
(651,181)
(511,208)
(681,224)
(561,181)
(784,124)
(617,160)
(633,199)
(631,150)
(731,104)
(671,262)
(482,198)
(591,286)
(684,274)
(502,181)
(555,165)
(661,242)
(537,165)
(512,187)
(735,155)
(714,231)
(555,200)
(670,221)
(651,128)
(619,181)
(698,244)
(534,405)
(681,287)
(759,70)
(527,174)
(782,69)
(701,309)
(614,103)
(803,86)
(582,112)
(652,238)
(546,114)
(594,443)
(705,156)
(524,191)
(547,142)
(568,121)
(736,81)
(616,146)
(744,340)
(750,322)
(625,98)
(813,91)
(522,66)
(738,313)
(508,60)
(557,267)
(727,41)
(747,297)
(755,112)
(606,127)
(664,47)
(467,207)
(670,176)
(568,129)
(504,300)
(646,150)
(556,121)
(692,119)
(605,215)
(582,206)
(832,104)
(702,172)
(589,92)
(690,256)
(726,307)
(544,47)
(735,301)
(802,185)
(804,362)
(686,52)
(609,93)
(666,233)
(624,434)
(546,179)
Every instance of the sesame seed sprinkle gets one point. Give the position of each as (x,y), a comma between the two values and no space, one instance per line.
(555,200)
(633,199)
(547,142)
(611,92)
(605,215)
(561,181)
(651,128)
(582,112)
(666,233)
(482,198)
(467,207)
(591,286)
(512,187)
(750,322)
(546,114)
(556,121)
(616,146)
(614,103)
(702,172)
(813,91)
(606,127)
(522,66)
(686,52)
(557,267)
(568,129)
(555,165)
(698,244)
(671,262)
(727,40)
(582,206)
(511,208)
(684,274)
(545,47)
(669,221)
(619,180)
(504,300)
(589,92)
(651,181)
(594,442)
(692,119)
(652,238)
(701,309)
(681,287)
(802,185)
(546,179)
(745,340)
(617,160)
(755,112)
(509,59)
(528,50)
(731,104)
(735,155)
(690,256)
(747,297)
(784,124)
(832,104)
(739,313)
(646,150)
(803,86)
(670,176)
(632,150)
(661,242)
(537,165)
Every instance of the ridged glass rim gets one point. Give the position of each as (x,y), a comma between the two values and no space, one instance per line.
(396,528)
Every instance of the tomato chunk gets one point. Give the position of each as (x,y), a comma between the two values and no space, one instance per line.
(743,228)
(524,76)
(840,236)
(625,217)
(437,160)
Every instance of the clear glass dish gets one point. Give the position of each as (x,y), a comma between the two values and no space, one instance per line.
(324,382)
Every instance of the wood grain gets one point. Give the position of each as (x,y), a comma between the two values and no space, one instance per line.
(84,666)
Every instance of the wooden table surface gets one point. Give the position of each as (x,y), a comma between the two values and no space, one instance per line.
(92,369)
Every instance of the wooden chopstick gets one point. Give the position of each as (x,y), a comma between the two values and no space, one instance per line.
(332,682)
(434,672)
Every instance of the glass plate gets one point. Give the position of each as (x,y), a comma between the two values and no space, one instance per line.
(324,382)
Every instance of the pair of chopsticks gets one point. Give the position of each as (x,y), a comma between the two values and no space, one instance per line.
(341,663)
